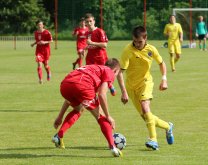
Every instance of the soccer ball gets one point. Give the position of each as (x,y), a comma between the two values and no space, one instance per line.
(119,140)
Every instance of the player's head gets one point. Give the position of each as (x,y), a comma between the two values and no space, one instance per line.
(200,18)
(139,35)
(39,24)
(90,20)
(113,63)
(82,22)
(172,19)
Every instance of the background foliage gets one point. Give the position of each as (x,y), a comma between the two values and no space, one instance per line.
(119,16)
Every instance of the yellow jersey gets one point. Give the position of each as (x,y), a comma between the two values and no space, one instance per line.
(137,64)
(173,30)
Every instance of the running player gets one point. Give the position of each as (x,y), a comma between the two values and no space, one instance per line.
(43,38)
(174,33)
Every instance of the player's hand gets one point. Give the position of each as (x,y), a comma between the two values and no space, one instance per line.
(41,43)
(89,41)
(32,45)
(111,121)
(124,97)
(163,85)
(57,122)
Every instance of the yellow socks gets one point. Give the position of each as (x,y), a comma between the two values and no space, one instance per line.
(150,122)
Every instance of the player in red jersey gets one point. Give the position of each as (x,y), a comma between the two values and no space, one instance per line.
(97,43)
(81,35)
(86,87)
(43,38)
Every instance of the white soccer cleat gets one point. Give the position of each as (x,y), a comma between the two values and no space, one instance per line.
(116,152)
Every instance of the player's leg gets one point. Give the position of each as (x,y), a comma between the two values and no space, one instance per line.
(204,44)
(106,129)
(172,58)
(40,72)
(48,70)
(200,44)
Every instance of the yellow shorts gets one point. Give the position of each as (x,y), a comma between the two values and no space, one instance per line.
(174,47)
(142,93)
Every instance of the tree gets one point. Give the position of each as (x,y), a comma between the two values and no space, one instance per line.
(19,17)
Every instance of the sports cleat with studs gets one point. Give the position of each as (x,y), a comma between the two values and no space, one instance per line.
(58,141)
(116,152)
(169,134)
(152,144)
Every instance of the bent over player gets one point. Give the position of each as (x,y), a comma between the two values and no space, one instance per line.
(43,38)
(136,61)
(86,87)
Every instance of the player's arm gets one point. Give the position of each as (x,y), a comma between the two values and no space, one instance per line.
(163,70)
(34,43)
(102,95)
(124,95)
(180,34)
(97,44)
(58,120)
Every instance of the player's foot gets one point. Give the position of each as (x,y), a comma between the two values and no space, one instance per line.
(169,134)
(58,141)
(173,70)
(152,144)
(205,49)
(40,81)
(48,76)
(74,65)
(116,152)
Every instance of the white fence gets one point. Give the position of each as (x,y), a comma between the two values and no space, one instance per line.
(16,41)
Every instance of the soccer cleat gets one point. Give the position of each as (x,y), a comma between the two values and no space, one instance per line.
(116,152)
(169,134)
(40,81)
(152,144)
(58,141)
(74,66)
(48,76)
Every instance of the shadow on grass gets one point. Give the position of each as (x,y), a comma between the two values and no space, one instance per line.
(63,153)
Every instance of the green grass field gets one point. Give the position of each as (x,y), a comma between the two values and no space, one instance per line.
(27,112)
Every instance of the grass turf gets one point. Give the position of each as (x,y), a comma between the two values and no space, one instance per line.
(27,112)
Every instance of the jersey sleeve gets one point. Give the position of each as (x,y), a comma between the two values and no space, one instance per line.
(180,29)
(103,36)
(156,56)
(165,29)
(124,61)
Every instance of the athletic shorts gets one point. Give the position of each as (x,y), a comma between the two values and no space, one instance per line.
(174,47)
(78,94)
(201,36)
(42,58)
(142,93)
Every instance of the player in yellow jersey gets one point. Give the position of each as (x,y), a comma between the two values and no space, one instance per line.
(136,60)
(174,33)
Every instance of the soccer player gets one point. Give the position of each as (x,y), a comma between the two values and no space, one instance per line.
(201,31)
(136,60)
(174,33)
(86,87)
(81,35)
(97,42)
(43,38)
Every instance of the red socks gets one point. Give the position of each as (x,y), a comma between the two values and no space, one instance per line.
(106,129)
(70,119)
(40,73)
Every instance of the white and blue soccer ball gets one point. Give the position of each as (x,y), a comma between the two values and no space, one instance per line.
(119,140)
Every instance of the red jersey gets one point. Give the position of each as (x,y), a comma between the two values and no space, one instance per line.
(91,76)
(96,55)
(43,50)
(81,34)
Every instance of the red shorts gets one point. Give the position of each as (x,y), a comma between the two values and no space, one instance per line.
(78,94)
(42,58)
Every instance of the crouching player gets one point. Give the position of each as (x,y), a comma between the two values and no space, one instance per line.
(86,87)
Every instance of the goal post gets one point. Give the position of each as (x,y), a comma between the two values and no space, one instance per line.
(188,17)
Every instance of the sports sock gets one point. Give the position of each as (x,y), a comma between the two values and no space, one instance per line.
(200,46)
(106,129)
(150,122)
(48,70)
(40,73)
(161,123)
(172,62)
(69,120)
(204,46)
(176,60)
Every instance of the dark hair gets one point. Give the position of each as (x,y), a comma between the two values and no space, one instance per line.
(38,21)
(88,15)
(82,19)
(112,63)
(139,31)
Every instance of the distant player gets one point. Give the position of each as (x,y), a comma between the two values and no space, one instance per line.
(86,87)
(81,36)
(97,42)
(43,38)
(201,31)
(174,33)
(136,60)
